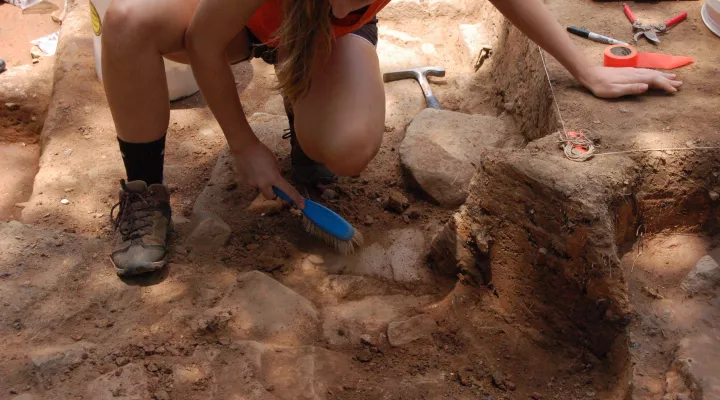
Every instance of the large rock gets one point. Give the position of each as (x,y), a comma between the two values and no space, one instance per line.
(128,383)
(403,332)
(442,150)
(705,276)
(261,308)
(696,369)
(347,322)
(406,255)
(210,233)
(398,257)
(50,359)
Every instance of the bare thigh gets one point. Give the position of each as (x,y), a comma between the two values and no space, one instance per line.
(165,22)
(342,119)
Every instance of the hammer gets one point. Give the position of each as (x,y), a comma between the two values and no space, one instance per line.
(420,75)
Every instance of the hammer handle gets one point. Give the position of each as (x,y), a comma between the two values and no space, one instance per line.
(432,102)
(430,98)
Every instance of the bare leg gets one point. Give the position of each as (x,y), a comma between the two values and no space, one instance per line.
(136,35)
(341,121)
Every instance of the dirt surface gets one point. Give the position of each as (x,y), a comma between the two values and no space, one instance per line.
(531,290)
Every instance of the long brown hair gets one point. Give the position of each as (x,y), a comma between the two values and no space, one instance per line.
(305,36)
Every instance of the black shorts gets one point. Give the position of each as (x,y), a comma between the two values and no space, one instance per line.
(258,49)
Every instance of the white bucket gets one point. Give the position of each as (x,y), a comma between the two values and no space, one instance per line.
(711,15)
(180,79)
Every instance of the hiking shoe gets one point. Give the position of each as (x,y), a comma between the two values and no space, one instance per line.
(142,225)
(305,170)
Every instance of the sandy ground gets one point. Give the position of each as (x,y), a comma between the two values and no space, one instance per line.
(273,313)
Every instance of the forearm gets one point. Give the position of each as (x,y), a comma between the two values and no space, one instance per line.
(213,26)
(217,84)
(534,19)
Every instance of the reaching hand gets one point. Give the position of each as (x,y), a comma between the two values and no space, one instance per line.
(617,82)
(258,167)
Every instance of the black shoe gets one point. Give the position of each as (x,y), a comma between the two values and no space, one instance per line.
(305,170)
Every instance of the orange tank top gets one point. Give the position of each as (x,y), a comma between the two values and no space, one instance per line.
(268,18)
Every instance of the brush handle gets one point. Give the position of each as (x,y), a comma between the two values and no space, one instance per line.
(282,195)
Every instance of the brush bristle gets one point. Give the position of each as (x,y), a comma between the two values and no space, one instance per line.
(343,247)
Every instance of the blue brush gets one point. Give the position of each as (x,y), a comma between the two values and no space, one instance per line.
(327,225)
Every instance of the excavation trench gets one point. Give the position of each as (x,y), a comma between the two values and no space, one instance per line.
(547,235)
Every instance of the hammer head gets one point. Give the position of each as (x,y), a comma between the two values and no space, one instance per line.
(419,74)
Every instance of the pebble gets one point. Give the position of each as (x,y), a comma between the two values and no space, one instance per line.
(12,106)
(181,250)
(369,220)
(536,396)
(329,194)
(121,361)
(65,201)
(152,367)
(364,356)
(224,341)
(252,246)
(397,202)
(76,337)
(161,395)
(270,388)
(714,196)
(367,340)
(406,218)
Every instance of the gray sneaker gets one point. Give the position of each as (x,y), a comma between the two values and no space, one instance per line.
(142,227)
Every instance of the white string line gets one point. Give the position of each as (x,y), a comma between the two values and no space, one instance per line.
(570,143)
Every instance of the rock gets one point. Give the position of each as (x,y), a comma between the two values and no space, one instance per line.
(396,202)
(536,396)
(697,362)
(371,260)
(364,356)
(64,201)
(403,332)
(121,361)
(51,359)
(714,196)
(369,316)
(705,276)
(406,254)
(367,340)
(413,213)
(161,395)
(498,379)
(267,207)
(369,220)
(262,308)
(210,233)
(127,383)
(12,106)
(442,150)
(329,194)
(24,396)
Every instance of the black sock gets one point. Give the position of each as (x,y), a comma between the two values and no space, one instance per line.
(143,161)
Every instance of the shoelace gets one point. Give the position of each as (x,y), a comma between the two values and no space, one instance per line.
(134,214)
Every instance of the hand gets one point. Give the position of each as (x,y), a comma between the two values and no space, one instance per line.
(258,167)
(617,82)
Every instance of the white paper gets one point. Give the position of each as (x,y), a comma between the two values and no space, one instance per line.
(48,43)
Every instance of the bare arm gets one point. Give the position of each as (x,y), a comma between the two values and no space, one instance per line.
(212,28)
(214,25)
(534,19)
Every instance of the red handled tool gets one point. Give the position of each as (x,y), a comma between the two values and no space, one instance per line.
(651,31)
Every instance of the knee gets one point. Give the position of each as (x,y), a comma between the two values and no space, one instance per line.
(127,20)
(346,151)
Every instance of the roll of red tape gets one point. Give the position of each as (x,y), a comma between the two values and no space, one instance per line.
(620,55)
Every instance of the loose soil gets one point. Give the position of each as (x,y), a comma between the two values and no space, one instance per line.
(313,325)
